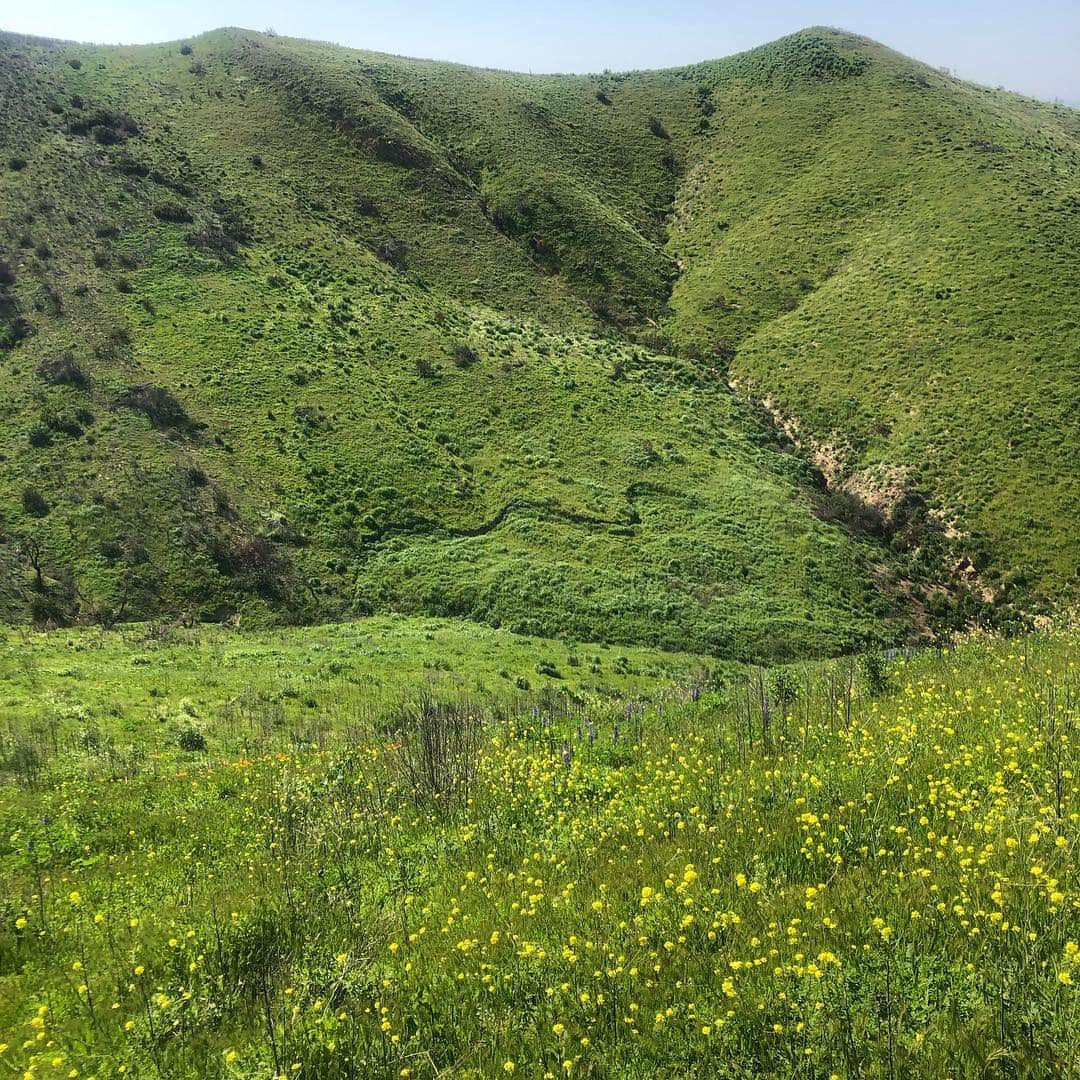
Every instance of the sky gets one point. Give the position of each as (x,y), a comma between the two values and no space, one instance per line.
(1031,47)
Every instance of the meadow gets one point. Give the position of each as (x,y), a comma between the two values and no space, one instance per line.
(865,867)
(137,690)
(471,552)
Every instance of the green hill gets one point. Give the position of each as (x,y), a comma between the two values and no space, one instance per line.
(301,332)
(897,260)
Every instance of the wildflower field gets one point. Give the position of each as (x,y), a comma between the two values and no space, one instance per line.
(861,868)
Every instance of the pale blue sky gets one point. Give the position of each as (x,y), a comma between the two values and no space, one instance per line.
(1033,47)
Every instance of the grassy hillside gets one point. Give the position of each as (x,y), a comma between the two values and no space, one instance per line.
(300,330)
(873,875)
(891,255)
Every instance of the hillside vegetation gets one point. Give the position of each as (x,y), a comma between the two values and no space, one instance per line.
(142,689)
(302,332)
(894,257)
(821,870)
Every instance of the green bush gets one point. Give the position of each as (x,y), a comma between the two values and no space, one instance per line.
(192,741)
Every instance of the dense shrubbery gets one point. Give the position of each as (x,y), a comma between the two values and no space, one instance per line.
(173,212)
(34,503)
(63,370)
(464,355)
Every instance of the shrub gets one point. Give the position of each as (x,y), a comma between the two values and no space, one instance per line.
(185,49)
(256,559)
(847,509)
(108,136)
(112,551)
(656,341)
(212,241)
(157,404)
(875,673)
(63,370)
(65,423)
(197,477)
(783,689)
(24,759)
(192,741)
(40,436)
(720,303)
(438,749)
(117,344)
(173,212)
(464,355)
(14,330)
(366,206)
(224,233)
(724,350)
(392,251)
(657,128)
(396,152)
(642,454)
(34,503)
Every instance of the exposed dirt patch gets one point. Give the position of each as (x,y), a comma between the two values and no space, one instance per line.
(883,488)
(890,507)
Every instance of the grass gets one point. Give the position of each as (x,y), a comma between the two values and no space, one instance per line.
(575,396)
(298,244)
(137,690)
(850,869)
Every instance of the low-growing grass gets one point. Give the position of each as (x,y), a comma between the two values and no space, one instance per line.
(87,693)
(857,869)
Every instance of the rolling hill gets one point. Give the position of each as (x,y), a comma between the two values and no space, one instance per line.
(758,358)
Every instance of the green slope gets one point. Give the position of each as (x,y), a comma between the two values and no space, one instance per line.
(144,686)
(296,329)
(890,255)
